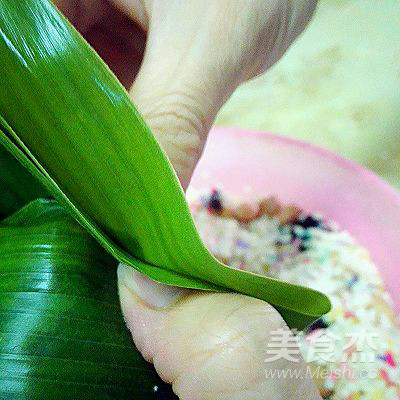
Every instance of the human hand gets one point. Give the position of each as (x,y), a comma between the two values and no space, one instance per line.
(180,61)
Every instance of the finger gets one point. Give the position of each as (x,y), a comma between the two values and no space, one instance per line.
(185,77)
(120,43)
(207,345)
(196,54)
(117,37)
(83,14)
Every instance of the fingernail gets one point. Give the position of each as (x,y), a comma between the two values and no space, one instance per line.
(153,293)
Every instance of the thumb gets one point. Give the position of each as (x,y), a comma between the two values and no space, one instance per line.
(181,85)
(209,345)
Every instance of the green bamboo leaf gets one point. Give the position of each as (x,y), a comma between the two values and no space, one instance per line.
(68,120)
(62,335)
(17,186)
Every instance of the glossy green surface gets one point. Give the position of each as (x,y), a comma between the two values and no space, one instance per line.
(68,120)
(17,185)
(62,335)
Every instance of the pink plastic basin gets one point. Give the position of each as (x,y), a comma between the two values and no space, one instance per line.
(249,165)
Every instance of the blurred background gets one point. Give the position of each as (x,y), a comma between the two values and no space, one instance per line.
(338,86)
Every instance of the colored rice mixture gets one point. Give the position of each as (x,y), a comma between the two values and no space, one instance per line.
(353,352)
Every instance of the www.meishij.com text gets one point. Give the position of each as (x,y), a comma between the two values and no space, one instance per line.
(319,372)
